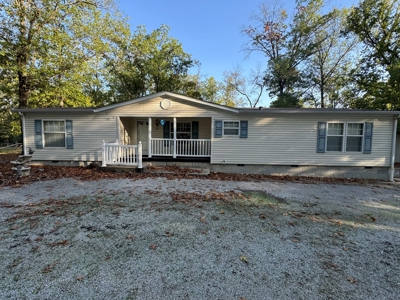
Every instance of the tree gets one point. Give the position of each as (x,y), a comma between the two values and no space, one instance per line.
(47,47)
(149,63)
(328,69)
(286,43)
(249,89)
(377,24)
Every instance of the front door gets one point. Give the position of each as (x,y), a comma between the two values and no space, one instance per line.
(143,135)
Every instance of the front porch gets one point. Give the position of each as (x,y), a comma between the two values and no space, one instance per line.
(167,137)
(158,138)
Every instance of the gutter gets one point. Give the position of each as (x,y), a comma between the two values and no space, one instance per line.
(23,131)
(391,170)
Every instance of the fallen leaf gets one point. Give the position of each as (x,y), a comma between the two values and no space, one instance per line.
(79,278)
(352,280)
(295,240)
(244,259)
(49,268)
(153,247)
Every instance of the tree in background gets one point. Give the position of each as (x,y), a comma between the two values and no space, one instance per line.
(377,24)
(245,89)
(327,70)
(149,63)
(286,43)
(48,47)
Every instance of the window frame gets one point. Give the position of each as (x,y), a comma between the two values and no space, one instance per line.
(171,131)
(44,132)
(231,121)
(344,136)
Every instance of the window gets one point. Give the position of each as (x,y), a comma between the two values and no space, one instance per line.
(355,132)
(347,136)
(183,130)
(231,127)
(54,133)
(335,137)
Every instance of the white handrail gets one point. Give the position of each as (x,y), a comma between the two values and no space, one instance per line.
(127,155)
(181,147)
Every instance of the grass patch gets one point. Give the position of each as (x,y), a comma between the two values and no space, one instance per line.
(12,150)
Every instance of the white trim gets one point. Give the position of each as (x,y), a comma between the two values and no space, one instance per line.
(23,131)
(344,136)
(392,158)
(149,148)
(118,120)
(174,156)
(223,128)
(167,95)
(65,133)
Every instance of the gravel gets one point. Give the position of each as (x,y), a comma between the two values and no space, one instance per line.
(157,238)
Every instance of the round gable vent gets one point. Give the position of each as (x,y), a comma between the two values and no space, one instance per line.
(165,104)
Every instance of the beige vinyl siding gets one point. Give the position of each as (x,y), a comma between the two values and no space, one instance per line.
(289,139)
(89,131)
(178,109)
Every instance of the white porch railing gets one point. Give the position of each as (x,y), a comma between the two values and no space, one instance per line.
(181,147)
(117,154)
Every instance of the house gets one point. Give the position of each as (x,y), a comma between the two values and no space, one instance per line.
(165,128)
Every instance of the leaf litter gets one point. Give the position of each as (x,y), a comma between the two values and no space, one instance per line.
(156,244)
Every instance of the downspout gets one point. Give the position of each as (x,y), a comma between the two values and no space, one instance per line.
(391,171)
(23,132)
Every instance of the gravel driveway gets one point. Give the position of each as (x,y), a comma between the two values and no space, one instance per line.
(158,238)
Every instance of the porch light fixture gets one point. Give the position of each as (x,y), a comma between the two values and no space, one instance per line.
(157,123)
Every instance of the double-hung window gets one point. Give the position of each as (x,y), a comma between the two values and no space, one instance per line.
(231,128)
(54,133)
(354,137)
(334,141)
(345,137)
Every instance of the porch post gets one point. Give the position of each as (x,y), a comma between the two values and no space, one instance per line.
(103,164)
(140,166)
(174,138)
(149,151)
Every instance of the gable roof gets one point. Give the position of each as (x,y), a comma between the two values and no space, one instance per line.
(169,96)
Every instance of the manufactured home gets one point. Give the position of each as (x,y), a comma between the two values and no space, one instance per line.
(168,128)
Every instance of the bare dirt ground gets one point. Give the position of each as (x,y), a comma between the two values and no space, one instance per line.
(193,238)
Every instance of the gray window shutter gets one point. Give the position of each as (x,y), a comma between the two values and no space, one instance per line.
(38,134)
(217,128)
(69,131)
(167,129)
(368,138)
(321,139)
(244,129)
(195,130)
(167,133)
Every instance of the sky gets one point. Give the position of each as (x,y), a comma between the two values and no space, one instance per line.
(209,30)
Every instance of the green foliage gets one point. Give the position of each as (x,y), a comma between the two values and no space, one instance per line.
(327,71)
(286,43)
(49,48)
(149,63)
(377,24)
